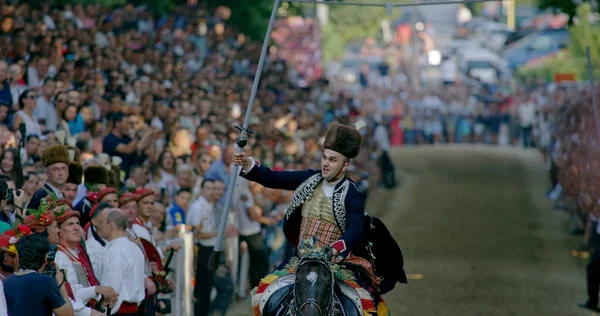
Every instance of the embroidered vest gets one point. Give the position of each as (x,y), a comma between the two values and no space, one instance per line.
(319,206)
(306,190)
(83,276)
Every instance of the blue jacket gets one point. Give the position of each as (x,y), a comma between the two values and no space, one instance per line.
(37,197)
(349,212)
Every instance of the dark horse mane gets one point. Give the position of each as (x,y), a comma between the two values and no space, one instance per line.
(313,290)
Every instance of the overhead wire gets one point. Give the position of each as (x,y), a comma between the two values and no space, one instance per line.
(390,5)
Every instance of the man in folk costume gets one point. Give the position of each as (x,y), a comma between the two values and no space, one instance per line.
(73,258)
(42,221)
(107,195)
(142,225)
(327,208)
(145,208)
(55,159)
(95,179)
(8,256)
(8,261)
(69,189)
(95,244)
(128,203)
(123,264)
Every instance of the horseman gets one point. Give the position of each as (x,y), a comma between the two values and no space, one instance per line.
(327,207)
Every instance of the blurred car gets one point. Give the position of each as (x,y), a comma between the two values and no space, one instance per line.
(517,35)
(536,45)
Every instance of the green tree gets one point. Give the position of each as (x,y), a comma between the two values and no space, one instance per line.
(351,23)
(251,17)
(568,7)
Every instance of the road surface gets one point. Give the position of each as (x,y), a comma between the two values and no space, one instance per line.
(478,236)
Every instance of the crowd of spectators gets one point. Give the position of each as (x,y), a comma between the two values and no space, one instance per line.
(163,94)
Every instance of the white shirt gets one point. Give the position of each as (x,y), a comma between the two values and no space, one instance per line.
(3,307)
(247,226)
(526,114)
(81,293)
(45,109)
(382,138)
(201,213)
(123,270)
(144,233)
(96,252)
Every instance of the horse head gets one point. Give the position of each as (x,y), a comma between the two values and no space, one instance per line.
(313,292)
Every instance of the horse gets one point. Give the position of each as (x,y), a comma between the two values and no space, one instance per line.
(312,290)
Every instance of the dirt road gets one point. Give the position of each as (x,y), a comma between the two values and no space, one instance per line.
(478,236)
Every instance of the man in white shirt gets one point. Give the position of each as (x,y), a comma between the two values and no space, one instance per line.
(44,109)
(526,112)
(201,217)
(123,263)
(74,260)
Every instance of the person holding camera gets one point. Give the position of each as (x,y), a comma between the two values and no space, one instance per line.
(31,292)
(12,201)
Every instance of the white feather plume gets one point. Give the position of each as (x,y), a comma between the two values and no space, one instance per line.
(116,161)
(104,159)
(71,141)
(60,136)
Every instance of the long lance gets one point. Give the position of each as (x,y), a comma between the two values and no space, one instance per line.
(241,142)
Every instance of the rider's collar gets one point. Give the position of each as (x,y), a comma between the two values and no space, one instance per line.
(332,184)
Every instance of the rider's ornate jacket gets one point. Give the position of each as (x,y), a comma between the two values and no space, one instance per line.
(348,202)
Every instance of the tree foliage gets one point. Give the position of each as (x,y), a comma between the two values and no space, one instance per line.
(351,23)
(582,34)
(568,7)
(251,17)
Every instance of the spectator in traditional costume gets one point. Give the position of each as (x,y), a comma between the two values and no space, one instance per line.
(95,244)
(69,189)
(128,204)
(123,263)
(95,179)
(73,258)
(55,159)
(107,195)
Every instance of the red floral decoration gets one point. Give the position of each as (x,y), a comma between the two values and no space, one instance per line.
(45,218)
(23,230)
(93,197)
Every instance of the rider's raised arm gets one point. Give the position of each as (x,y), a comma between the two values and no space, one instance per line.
(355,217)
(279,180)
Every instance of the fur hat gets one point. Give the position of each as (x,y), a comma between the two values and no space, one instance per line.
(55,154)
(96,175)
(75,173)
(114,177)
(77,157)
(343,139)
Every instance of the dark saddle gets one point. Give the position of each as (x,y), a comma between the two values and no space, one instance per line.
(280,303)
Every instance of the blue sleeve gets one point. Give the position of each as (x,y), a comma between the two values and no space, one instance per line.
(279,180)
(37,198)
(213,172)
(53,297)
(109,144)
(355,217)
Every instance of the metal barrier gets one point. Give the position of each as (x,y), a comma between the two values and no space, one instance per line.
(184,276)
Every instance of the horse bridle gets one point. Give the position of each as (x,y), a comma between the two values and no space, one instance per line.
(311,300)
